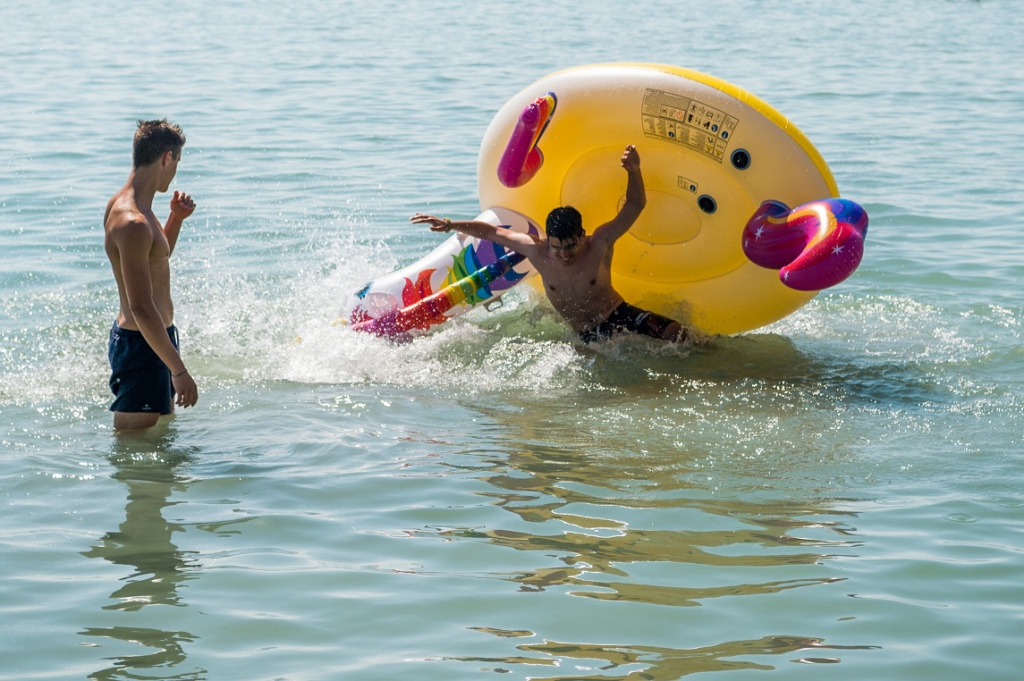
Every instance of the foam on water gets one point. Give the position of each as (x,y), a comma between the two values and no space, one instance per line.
(283,324)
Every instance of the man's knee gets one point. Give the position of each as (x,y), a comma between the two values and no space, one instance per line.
(134,420)
(674,332)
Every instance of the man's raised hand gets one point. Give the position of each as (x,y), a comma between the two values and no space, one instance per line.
(631,159)
(182,205)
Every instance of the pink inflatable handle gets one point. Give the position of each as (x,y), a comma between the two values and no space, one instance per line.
(522,159)
(814,246)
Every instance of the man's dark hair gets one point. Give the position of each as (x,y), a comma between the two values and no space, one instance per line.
(153,139)
(564,223)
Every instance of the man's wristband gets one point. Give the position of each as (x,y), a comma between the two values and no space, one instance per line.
(448,225)
(181,374)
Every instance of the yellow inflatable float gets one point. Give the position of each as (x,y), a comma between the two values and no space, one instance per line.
(712,154)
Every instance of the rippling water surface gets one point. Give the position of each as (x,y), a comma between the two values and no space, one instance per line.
(839,495)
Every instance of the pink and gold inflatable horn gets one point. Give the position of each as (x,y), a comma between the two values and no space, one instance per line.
(522,159)
(814,246)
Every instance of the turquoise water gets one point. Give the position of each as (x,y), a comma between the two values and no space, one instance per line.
(840,495)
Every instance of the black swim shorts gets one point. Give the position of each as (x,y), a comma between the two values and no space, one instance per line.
(628,317)
(139,379)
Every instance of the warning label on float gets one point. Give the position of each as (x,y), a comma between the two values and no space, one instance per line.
(688,184)
(685,121)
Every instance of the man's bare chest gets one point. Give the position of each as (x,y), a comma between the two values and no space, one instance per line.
(161,248)
(577,278)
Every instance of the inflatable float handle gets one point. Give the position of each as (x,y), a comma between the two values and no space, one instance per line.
(522,159)
(814,246)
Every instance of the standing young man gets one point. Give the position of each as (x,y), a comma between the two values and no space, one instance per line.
(576,268)
(146,369)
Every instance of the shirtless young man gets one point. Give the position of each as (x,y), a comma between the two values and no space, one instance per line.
(147,370)
(576,268)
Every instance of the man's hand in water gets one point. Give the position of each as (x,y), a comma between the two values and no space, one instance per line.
(182,205)
(631,159)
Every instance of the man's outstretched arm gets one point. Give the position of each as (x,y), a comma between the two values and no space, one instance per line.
(516,241)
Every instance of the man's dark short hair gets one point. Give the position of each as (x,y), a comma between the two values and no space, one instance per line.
(153,139)
(564,223)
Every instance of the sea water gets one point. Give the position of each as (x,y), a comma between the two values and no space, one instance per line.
(837,496)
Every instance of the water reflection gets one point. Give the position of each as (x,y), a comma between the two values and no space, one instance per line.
(767,534)
(148,466)
(623,500)
(654,663)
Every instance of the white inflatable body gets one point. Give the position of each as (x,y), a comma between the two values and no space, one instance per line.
(458,275)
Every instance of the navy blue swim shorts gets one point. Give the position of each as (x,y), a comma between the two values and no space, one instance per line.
(139,379)
(628,317)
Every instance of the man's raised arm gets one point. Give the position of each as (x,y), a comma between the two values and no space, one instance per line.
(182,206)
(636,199)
